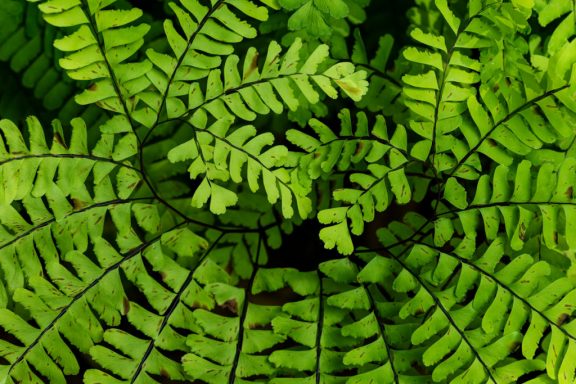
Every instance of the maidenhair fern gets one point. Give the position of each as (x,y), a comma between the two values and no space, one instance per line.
(167,174)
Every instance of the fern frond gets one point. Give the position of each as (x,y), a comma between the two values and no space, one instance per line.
(256,92)
(26,45)
(527,202)
(507,298)
(98,49)
(385,89)
(208,34)
(57,217)
(504,133)
(439,91)
(72,163)
(167,308)
(221,156)
(447,79)
(385,159)
(504,120)
(447,291)
(253,330)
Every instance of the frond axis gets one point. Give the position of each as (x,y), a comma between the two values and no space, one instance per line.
(114,80)
(511,114)
(446,64)
(239,343)
(172,307)
(446,313)
(53,220)
(378,140)
(228,143)
(320,328)
(501,284)
(226,92)
(419,231)
(503,204)
(127,256)
(379,179)
(71,156)
(380,73)
(382,331)
(179,62)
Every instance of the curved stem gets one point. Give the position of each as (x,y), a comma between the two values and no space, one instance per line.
(510,114)
(383,335)
(508,289)
(319,329)
(81,294)
(171,308)
(446,313)
(240,341)
(85,209)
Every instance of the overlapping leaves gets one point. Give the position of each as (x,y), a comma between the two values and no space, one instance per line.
(97,265)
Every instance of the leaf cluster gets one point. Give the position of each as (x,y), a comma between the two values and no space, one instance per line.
(143,233)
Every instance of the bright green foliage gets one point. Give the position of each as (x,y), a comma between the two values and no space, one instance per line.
(317,16)
(27,47)
(386,159)
(145,235)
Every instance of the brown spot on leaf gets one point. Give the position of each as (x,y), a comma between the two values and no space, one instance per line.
(513,346)
(350,89)
(522,232)
(59,139)
(231,305)
(135,184)
(253,66)
(359,147)
(491,143)
(93,87)
(570,193)
(275,59)
(164,373)
(78,204)
(562,318)
(126,305)
(421,369)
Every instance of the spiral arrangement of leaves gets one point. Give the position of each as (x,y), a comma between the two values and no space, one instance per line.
(161,234)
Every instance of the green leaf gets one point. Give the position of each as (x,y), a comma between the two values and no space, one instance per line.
(456,194)
(449,16)
(155,233)
(337,236)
